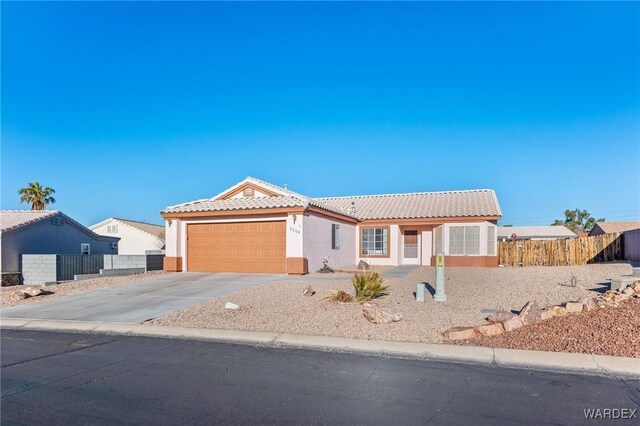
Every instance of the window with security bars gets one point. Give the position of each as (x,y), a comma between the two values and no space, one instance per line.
(335,237)
(375,242)
(439,246)
(491,240)
(464,240)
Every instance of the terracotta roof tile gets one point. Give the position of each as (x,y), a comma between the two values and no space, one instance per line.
(481,202)
(473,203)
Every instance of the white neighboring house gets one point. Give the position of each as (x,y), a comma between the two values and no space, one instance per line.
(545,232)
(135,237)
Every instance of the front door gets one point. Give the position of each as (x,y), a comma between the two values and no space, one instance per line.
(410,256)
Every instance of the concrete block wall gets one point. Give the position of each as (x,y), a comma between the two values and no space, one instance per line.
(39,269)
(125,261)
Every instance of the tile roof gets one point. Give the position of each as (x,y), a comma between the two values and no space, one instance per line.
(613,227)
(12,219)
(211,205)
(419,205)
(545,231)
(150,228)
(472,203)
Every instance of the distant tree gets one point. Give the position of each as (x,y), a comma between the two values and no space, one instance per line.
(37,196)
(578,220)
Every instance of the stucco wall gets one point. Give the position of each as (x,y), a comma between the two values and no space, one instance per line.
(132,240)
(632,245)
(45,238)
(317,242)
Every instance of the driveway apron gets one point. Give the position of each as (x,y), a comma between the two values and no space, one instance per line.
(139,301)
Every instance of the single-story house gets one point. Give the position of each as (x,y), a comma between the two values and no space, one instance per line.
(135,237)
(45,232)
(548,232)
(613,227)
(255,226)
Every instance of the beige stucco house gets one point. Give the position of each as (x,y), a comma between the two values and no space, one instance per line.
(135,237)
(255,226)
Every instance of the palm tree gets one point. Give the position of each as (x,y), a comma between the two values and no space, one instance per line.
(37,196)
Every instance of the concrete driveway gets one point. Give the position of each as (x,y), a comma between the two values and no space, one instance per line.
(141,300)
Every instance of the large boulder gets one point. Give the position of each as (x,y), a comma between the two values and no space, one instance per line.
(459,333)
(490,329)
(574,307)
(530,313)
(512,324)
(500,317)
(379,315)
(34,291)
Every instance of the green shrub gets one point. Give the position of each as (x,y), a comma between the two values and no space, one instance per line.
(368,286)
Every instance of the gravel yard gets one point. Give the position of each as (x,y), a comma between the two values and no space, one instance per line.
(70,287)
(281,307)
(588,332)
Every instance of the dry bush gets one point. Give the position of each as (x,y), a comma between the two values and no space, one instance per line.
(338,296)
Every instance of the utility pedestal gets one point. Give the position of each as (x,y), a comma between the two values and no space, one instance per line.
(440,296)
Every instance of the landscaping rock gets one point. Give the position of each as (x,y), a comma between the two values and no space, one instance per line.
(560,311)
(609,295)
(588,303)
(230,305)
(363,265)
(546,315)
(512,324)
(490,329)
(636,286)
(34,291)
(629,291)
(459,333)
(500,317)
(18,295)
(379,315)
(573,307)
(308,291)
(530,313)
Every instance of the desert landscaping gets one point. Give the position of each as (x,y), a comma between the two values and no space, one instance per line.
(473,294)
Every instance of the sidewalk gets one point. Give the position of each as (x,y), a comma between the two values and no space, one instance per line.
(600,365)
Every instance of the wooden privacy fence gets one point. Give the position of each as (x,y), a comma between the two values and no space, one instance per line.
(575,251)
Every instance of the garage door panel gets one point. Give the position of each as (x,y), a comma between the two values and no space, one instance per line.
(237,247)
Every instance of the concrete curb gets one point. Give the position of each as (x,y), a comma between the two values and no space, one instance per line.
(600,365)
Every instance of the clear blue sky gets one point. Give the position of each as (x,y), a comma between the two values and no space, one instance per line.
(126,108)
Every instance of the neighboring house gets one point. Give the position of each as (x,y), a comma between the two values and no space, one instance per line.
(46,232)
(255,226)
(548,232)
(613,227)
(135,237)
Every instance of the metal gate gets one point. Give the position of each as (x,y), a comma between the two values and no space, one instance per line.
(78,264)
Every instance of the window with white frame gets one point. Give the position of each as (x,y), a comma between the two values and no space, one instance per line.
(464,240)
(335,237)
(491,240)
(112,229)
(85,248)
(374,242)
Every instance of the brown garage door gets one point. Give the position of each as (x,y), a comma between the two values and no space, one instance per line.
(236,247)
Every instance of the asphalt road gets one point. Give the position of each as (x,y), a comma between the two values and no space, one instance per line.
(65,378)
